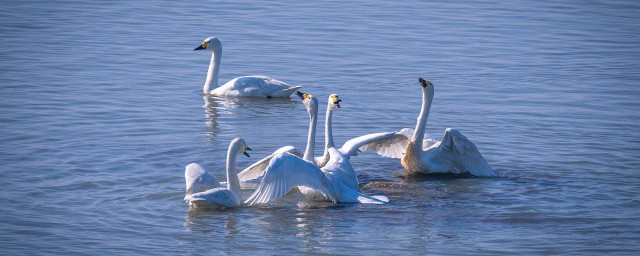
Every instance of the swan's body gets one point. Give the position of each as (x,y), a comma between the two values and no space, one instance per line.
(454,154)
(244,86)
(336,182)
(203,190)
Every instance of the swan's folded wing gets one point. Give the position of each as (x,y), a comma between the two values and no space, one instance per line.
(466,153)
(198,180)
(257,169)
(286,171)
(220,196)
(389,144)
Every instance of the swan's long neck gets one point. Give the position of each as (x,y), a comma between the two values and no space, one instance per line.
(233,183)
(328,131)
(311,138)
(418,135)
(214,69)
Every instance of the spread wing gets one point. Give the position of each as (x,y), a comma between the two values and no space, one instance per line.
(385,144)
(257,169)
(286,171)
(390,144)
(198,180)
(464,153)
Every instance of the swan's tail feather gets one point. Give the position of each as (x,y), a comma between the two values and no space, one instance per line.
(377,199)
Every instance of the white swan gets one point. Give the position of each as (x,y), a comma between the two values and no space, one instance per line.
(204,191)
(349,148)
(336,182)
(244,86)
(454,154)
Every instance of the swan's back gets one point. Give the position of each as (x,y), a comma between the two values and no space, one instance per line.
(213,198)
(255,86)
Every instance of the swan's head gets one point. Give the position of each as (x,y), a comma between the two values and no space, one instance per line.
(309,101)
(209,43)
(334,101)
(241,145)
(424,83)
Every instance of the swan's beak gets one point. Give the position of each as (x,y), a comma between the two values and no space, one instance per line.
(302,95)
(245,151)
(424,83)
(200,47)
(337,103)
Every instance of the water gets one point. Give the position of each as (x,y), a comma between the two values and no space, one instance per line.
(101,109)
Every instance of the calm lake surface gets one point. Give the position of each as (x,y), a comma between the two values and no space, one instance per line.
(101,108)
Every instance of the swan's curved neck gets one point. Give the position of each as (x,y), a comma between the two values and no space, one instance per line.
(311,138)
(418,135)
(233,183)
(328,131)
(214,69)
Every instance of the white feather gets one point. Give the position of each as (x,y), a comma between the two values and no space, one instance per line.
(287,171)
(244,86)
(257,169)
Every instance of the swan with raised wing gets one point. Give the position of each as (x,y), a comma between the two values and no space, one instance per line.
(244,86)
(455,153)
(336,181)
(203,190)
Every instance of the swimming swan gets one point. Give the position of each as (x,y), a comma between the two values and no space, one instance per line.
(454,154)
(336,182)
(349,148)
(204,191)
(244,86)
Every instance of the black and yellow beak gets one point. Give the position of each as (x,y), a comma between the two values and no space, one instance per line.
(302,95)
(424,83)
(200,47)
(337,103)
(245,152)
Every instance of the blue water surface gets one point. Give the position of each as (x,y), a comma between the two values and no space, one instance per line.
(101,109)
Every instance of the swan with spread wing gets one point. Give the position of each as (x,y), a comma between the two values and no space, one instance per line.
(336,181)
(455,153)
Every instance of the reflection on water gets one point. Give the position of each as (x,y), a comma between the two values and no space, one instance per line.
(210,220)
(210,115)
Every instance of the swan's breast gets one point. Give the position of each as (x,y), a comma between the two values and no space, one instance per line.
(411,160)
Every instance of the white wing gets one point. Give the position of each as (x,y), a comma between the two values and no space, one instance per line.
(213,198)
(462,153)
(345,182)
(286,171)
(385,144)
(255,86)
(257,169)
(198,180)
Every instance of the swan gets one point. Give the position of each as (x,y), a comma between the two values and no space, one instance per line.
(453,154)
(203,190)
(244,86)
(336,181)
(349,148)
